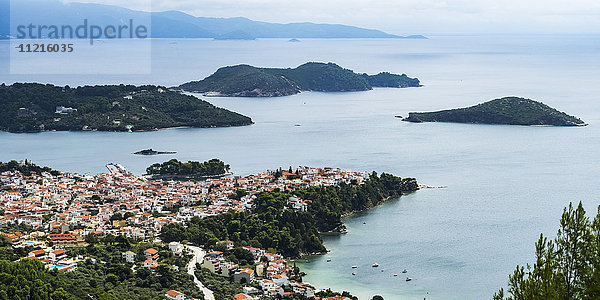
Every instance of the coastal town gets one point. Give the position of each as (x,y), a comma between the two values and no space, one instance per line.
(66,210)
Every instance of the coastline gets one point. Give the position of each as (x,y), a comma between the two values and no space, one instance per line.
(129,131)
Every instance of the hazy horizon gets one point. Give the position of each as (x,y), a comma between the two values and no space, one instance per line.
(400,17)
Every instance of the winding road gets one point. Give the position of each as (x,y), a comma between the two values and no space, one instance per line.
(198,257)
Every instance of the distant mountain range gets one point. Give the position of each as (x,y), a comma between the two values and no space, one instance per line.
(174,24)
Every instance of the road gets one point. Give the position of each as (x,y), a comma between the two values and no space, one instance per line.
(198,257)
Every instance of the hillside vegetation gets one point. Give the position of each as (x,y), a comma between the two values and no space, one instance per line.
(32,107)
(249,81)
(273,224)
(509,110)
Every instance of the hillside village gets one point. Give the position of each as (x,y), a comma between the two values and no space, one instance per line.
(69,210)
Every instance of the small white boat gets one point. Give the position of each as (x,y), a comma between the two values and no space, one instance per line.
(404,271)
(375,265)
(395,274)
(353,273)
(354,267)
(329,260)
(408,279)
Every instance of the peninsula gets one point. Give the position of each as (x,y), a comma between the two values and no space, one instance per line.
(248,226)
(507,111)
(249,81)
(32,107)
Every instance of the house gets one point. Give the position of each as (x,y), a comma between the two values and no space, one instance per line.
(63,240)
(228,244)
(244,276)
(57,255)
(39,254)
(274,292)
(151,254)
(281,279)
(128,256)
(241,296)
(174,295)
(65,110)
(151,264)
(258,253)
(176,248)
(302,289)
(260,270)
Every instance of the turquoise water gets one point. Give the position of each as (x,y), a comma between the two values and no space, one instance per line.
(54,267)
(506,184)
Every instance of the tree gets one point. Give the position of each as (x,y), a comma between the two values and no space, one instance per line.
(377,297)
(566,268)
(109,295)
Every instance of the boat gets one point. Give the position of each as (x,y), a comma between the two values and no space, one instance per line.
(353,273)
(354,267)
(375,265)
(116,169)
(395,275)
(329,260)
(404,271)
(408,279)
(382,270)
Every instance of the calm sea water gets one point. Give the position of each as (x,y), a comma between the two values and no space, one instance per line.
(506,184)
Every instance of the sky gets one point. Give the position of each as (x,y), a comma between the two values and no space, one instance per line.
(400,16)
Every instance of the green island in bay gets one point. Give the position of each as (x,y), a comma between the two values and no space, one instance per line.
(175,169)
(250,81)
(506,111)
(32,107)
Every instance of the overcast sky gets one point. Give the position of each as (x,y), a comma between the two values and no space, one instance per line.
(401,16)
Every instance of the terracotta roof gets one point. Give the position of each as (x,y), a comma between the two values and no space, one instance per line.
(173,293)
(151,251)
(241,296)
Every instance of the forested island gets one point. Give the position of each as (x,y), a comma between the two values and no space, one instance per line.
(507,111)
(249,81)
(32,107)
(176,169)
(272,224)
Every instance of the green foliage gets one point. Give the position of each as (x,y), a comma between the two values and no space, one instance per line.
(222,288)
(29,279)
(106,278)
(26,169)
(272,224)
(249,81)
(509,110)
(330,293)
(212,167)
(377,297)
(566,268)
(323,77)
(386,79)
(31,107)
(243,81)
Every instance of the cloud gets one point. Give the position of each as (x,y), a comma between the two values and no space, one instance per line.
(400,16)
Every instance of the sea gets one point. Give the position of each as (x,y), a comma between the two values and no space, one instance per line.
(502,186)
